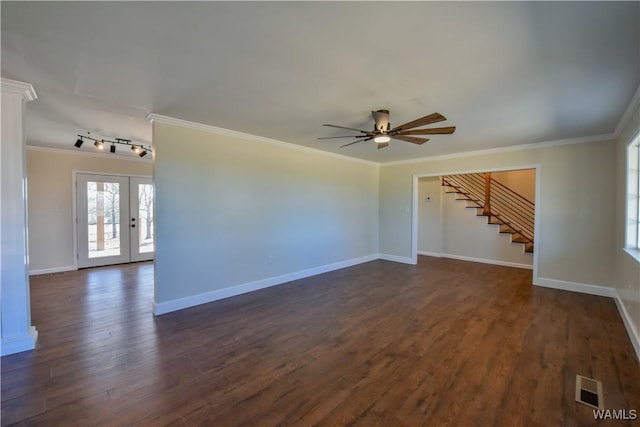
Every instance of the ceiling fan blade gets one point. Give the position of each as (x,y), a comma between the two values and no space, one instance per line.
(411,139)
(422,121)
(346,136)
(342,127)
(355,142)
(351,143)
(432,131)
(382,145)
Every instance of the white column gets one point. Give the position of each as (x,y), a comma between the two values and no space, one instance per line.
(17,334)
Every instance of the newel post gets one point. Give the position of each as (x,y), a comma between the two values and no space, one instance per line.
(487,194)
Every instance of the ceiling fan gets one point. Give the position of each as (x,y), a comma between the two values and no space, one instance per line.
(383,132)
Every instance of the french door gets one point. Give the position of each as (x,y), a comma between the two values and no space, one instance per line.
(114,219)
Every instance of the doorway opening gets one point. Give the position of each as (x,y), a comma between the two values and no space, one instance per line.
(113,219)
(424,202)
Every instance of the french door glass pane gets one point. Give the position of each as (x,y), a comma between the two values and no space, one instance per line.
(103,212)
(145,216)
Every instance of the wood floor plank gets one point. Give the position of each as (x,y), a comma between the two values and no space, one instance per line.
(441,343)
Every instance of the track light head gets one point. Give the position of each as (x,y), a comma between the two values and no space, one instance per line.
(79,142)
(142,153)
(99,145)
(136,149)
(113,148)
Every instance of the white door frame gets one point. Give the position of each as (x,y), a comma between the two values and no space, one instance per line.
(135,229)
(74,194)
(536,220)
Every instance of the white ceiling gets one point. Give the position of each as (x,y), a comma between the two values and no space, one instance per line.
(504,73)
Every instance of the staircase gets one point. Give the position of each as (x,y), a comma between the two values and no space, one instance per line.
(510,211)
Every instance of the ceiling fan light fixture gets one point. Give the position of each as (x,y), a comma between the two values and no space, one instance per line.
(381,139)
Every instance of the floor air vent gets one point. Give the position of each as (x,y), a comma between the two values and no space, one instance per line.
(589,392)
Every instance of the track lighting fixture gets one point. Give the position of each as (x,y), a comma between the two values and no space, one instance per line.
(139,149)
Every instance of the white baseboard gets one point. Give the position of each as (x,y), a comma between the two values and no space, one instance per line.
(480,260)
(433,254)
(20,343)
(396,258)
(628,324)
(583,288)
(51,270)
(191,301)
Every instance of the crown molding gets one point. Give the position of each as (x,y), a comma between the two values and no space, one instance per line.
(19,88)
(626,116)
(87,154)
(153,118)
(489,151)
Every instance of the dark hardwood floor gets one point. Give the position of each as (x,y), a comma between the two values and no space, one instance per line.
(380,344)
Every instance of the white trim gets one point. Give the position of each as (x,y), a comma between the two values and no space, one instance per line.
(18,344)
(628,323)
(537,209)
(432,254)
(633,253)
(194,300)
(152,117)
(395,258)
(19,88)
(489,151)
(626,116)
(583,288)
(74,219)
(78,152)
(480,260)
(414,217)
(52,270)
(124,175)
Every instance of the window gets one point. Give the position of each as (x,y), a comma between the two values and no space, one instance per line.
(632,240)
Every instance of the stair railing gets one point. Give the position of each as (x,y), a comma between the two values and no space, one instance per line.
(497,200)
(515,208)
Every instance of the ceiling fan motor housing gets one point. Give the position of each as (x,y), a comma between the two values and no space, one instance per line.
(381,118)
